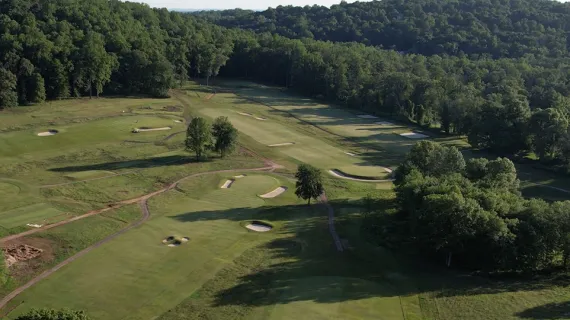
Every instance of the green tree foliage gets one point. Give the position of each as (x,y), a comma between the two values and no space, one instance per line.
(8,96)
(225,135)
(309,182)
(199,137)
(474,216)
(51,314)
(471,27)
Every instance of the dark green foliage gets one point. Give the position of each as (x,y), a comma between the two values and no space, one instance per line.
(496,28)
(51,314)
(309,182)
(199,137)
(225,135)
(473,214)
(8,96)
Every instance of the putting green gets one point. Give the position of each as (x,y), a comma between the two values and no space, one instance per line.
(344,298)
(27,144)
(34,214)
(8,189)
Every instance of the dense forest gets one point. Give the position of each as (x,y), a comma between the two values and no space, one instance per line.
(499,28)
(513,101)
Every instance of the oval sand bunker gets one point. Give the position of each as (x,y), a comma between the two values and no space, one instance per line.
(258,226)
(173,241)
(48,133)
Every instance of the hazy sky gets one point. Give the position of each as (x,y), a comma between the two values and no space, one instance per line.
(231,4)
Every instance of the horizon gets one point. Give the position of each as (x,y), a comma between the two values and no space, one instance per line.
(179,5)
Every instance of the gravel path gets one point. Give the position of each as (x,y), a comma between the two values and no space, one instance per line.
(324,200)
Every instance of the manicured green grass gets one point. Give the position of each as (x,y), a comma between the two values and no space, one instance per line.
(34,214)
(90,174)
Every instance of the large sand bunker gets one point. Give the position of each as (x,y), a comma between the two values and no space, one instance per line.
(227,184)
(48,133)
(259,226)
(282,144)
(342,175)
(414,135)
(145,129)
(275,193)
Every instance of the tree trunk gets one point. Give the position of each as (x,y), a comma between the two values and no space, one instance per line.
(449,259)
(309,203)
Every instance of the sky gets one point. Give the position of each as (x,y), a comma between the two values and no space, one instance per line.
(232,4)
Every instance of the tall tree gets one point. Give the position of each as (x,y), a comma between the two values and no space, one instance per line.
(225,135)
(8,95)
(198,137)
(309,182)
(96,64)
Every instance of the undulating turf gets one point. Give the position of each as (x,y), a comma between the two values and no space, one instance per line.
(34,214)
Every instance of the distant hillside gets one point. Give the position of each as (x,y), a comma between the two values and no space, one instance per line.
(501,28)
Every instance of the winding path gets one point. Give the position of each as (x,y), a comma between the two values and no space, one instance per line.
(143,203)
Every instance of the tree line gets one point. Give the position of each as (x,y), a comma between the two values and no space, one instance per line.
(498,28)
(66,48)
(471,214)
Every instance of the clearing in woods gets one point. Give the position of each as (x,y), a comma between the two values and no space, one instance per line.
(224,270)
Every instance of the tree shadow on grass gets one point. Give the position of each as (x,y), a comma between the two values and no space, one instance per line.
(548,311)
(141,163)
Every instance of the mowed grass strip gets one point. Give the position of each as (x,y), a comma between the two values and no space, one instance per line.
(34,214)
(136,276)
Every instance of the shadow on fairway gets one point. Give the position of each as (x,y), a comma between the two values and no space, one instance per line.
(142,163)
(548,311)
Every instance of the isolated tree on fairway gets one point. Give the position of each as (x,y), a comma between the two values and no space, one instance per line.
(198,137)
(51,314)
(226,136)
(309,182)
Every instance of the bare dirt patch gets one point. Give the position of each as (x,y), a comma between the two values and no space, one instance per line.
(172,108)
(25,256)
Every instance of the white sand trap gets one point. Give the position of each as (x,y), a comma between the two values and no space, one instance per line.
(34,225)
(174,244)
(258,227)
(388,170)
(245,114)
(367,116)
(384,123)
(48,133)
(274,193)
(178,121)
(339,174)
(414,135)
(258,118)
(240,176)
(350,154)
(282,144)
(227,184)
(136,130)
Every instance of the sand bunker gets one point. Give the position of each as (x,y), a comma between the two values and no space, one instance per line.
(240,176)
(48,133)
(414,135)
(384,123)
(342,175)
(259,226)
(245,114)
(178,121)
(174,241)
(259,118)
(22,252)
(227,184)
(281,144)
(367,116)
(274,193)
(137,130)
(350,154)
(388,170)
(34,225)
